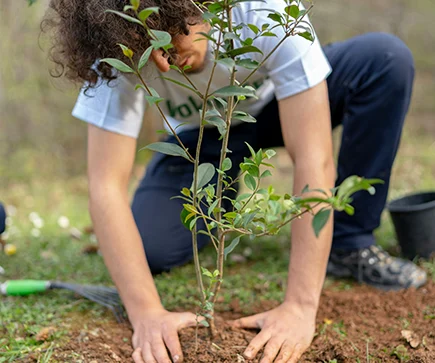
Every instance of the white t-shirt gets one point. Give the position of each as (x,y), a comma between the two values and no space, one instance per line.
(296,66)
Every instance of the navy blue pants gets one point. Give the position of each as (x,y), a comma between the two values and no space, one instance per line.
(369,91)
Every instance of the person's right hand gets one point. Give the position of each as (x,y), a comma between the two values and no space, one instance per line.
(156,332)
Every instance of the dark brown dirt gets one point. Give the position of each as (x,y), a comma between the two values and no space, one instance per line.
(352,326)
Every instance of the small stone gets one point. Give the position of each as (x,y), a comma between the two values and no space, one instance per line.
(75,233)
(411,338)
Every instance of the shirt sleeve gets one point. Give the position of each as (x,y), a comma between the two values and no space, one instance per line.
(115,106)
(297,65)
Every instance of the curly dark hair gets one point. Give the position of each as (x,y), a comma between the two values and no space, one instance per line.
(83,32)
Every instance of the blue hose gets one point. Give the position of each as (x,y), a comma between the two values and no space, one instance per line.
(2,218)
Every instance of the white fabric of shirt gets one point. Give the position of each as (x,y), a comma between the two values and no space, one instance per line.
(294,67)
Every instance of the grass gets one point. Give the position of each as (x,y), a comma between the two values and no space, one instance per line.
(55,255)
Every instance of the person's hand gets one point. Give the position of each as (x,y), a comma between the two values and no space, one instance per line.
(156,332)
(286,332)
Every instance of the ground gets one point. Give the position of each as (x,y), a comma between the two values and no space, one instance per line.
(355,323)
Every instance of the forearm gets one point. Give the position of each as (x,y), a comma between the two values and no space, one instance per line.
(309,254)
(123,252)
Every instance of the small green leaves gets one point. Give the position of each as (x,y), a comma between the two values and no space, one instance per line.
(231,247)
(127,52)
(167,148)
(227,62)
(227,164)
(204,323)
(144,58)
(154,98)
(276,17)
(320,220)
(117,64)
(230,91)
(293,11)
(135,4)
(307,35)
(243,116)
(250,182)
(185,192)
(161,39)
(247,63)
(206,173)
(145,13)
(243,50)
(354,184)
(270,153)
(186,218)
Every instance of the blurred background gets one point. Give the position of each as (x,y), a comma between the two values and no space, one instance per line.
(43,148)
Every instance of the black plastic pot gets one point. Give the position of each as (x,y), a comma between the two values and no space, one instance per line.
(414,221)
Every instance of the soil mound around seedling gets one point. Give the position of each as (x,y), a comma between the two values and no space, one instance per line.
(357,324)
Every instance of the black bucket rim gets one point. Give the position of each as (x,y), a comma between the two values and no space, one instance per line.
(411,208)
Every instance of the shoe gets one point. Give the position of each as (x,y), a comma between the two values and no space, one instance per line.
(377,268)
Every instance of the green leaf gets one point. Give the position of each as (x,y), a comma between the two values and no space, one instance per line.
(247,63)
(227,164)
(212,207)
(243,116)
(320,220)
(117,64)
(251,169)
(349,209)
(266,173)
(204,323)
(154,98)
(230,91)
(243,50)
(167,148)
(206,272)
(270,153)
(293,11)
(250,149)
(254,28)
(185,192)
(276,17)
(127,51)
(206,173)
(355,184)
(145,56)
(307,35)
(185,219)
(230,215)
(231,247)
(135,4)
(161,39)
(250,182)
(145,13)
(229,63)
(125,16)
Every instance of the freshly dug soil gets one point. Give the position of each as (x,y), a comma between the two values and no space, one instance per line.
(355,324)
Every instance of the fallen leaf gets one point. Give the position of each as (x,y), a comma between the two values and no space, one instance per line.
(411,338)
(45,333)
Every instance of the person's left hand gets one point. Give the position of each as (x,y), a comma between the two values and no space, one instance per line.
(286,332)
